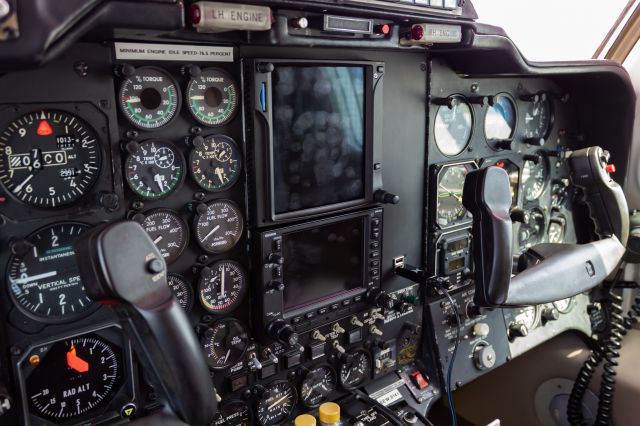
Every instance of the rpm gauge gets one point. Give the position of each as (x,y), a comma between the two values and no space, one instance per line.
(215,162)
(317,386)
(500,120)
(149,98)
(73,377)
(212,97)
(453,126)
(537,118)
(355,370)
(43,276)
(225,343)
(48,158)
(168,231)
(218,226)
(450,182)
(154,168)
(222,286)
(535,175)
(277,404)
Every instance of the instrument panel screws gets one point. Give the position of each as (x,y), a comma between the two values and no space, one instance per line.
(475,87)
(196,130)
(81,68)
(137,205)
(203,258)
(131,134)
(199,196)
(34,360)
(15,351)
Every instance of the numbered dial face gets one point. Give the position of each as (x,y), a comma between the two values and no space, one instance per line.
(532,233)
(219,227)
(233,413)
(555,233)
(222,286)
(215,163)
(317,386)
(537,119)
(453,126)
(43,275)
(154,169)
(182,290)
(48,158)
(149,98)
(168,232)
(212,97)
(278,406)
(500,121)
(355,370)
(534,178)
(563,306)
(450,211)
(528,316)
(225,343)
(73,377)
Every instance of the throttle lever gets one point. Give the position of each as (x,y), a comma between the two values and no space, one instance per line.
(120,266)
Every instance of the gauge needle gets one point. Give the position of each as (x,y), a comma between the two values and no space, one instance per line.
(157,240)
(226,357)
(158,179)
(197,97)
(275,404)
(220,173)
(24,182)
(36,277)
(211,233)
(457,197)
(75,362)
(222,284)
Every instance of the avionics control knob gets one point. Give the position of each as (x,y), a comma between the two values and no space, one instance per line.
(381,299)
(484,356)
(275,259)
(550,314)
(385,197)
(275,285)
(517,329)
(283,332)
(481,329)
(519,215)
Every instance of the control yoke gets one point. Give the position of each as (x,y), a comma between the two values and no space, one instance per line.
(121,267)
(557,271)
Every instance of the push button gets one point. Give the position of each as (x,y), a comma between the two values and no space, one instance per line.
(293,359)
(418,380)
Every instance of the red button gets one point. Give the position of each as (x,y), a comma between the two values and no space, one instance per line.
(417,32)
(418,379)
(610,168)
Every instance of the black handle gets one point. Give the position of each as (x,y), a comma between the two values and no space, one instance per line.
(120,266)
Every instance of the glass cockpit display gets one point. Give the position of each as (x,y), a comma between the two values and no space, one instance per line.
(318,136)
(450,182)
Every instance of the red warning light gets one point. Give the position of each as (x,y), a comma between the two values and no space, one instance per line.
(385,29)
(610,168)
(500,164)
(44,128)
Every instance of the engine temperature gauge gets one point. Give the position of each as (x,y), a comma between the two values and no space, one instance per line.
(215,162)
(355,370)
(225,343)
(212,97)
(154,168)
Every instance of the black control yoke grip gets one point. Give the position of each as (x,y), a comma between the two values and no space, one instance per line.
(561,270)
(120,266)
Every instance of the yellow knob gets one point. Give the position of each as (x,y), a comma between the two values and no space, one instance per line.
(305,420)
(329,413)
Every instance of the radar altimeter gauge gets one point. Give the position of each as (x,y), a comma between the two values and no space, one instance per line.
(43,276)
(212,97)
(148,97)
(49,158)
(154,168)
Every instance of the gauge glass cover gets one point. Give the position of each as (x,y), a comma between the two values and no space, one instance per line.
(155,169)
(225,343)
(500,120)
(212,97)
(182,290)
(450,181)
(356,370)
(222,286)
(215,163)
(534,178)
(452,129)
(537,118)
(278,406)
(317,386)
(219,228)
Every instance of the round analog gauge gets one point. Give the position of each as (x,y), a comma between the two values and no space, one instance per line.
(154,169)
(559,193)
(182,290)
(532,232)
(233,413)
(218,226)
(225,343)
(355,370)
(555,233)
(212,97)
(48,158)
(528,316)
(563,306)
(43,274)
(278,403)
(317,386)
(168,232)
(450,211)
(514,178)
(72,377)
(215,162)
(452,129)
(537,118)
(535,175)
(500,120)
(222,286)
(149,98)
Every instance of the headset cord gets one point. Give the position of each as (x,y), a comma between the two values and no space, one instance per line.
(452,410)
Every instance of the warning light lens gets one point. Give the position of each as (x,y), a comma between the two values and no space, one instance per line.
(195,15)
(500,164)
(44,129)
(610,168)
(417,32)
(385,29)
